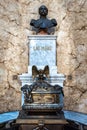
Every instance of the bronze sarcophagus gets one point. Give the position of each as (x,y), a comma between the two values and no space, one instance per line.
(41,95)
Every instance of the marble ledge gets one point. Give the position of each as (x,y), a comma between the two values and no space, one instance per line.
(42,37)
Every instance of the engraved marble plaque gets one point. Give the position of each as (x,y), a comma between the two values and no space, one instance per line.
(42,50)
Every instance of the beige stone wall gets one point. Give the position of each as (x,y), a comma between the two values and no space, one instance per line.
(15,16)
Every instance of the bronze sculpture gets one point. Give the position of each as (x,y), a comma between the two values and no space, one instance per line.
(42,92)
(41,95)
(43,24)
(41,73)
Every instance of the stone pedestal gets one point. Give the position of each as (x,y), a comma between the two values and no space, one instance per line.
(42,52)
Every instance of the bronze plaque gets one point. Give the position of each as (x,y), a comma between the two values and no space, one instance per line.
(44,98)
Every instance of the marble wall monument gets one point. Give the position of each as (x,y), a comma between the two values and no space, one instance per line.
(42,52)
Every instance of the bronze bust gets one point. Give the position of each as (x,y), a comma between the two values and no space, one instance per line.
(43,24)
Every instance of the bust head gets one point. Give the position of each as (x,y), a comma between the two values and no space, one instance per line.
(43,11)
(43,25)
